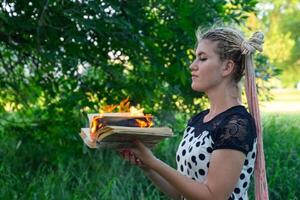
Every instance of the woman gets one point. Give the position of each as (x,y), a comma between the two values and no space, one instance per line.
(216,156)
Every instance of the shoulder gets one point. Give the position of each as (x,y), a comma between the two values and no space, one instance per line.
(236,130)
(239,117)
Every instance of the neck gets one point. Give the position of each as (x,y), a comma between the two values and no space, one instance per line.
(221,99)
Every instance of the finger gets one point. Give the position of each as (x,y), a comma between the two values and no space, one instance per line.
(132,158)
(141,165)
(135,151)
(124,152)
(127,155)
(137,161)
(139,144)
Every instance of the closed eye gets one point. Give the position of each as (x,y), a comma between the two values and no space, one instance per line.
(202,56)
(202,59)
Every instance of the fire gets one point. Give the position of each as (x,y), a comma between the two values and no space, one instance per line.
(95,126)
(147,123)
(109,108)
(123,107)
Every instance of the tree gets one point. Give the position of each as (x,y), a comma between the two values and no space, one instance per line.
(280,21)
(61,59)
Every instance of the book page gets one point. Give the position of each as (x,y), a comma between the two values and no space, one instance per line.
(115,137)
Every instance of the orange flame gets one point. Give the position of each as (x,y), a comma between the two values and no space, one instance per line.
(109,108)
(147,123)
(95,126)
(124,106)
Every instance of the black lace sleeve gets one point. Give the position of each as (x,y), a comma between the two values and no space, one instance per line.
(236,132)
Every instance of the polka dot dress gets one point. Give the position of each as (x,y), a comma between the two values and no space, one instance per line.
(231,129)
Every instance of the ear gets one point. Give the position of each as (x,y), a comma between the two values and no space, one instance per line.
(228,68)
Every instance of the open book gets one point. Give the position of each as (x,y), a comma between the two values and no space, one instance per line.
(112,136)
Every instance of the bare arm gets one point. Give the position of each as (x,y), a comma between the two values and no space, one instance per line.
(222,177)
(223,174)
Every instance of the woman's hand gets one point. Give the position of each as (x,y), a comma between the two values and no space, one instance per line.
(140,155)
(143,153)
(128,155)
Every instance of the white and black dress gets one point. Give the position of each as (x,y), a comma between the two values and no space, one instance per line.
(231,129)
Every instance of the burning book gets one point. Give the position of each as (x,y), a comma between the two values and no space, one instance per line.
(119,129)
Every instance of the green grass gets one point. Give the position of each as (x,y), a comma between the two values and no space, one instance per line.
(93,174)
(32,171)
(282,150)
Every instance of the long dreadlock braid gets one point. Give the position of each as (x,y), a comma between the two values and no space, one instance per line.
(232,45)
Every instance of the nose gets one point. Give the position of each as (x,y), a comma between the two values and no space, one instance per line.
(193,66)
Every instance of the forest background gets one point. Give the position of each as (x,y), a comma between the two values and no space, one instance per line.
(60,60)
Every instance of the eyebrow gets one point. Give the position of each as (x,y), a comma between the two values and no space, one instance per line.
(200,53)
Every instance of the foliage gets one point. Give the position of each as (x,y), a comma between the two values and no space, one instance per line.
(280,21)
(61,59)
(265,72)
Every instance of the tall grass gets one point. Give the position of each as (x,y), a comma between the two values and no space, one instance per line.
(282,149)
(25,172)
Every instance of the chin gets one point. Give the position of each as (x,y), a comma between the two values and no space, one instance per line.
(197,88)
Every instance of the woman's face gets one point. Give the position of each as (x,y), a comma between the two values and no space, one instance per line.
(206,68)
